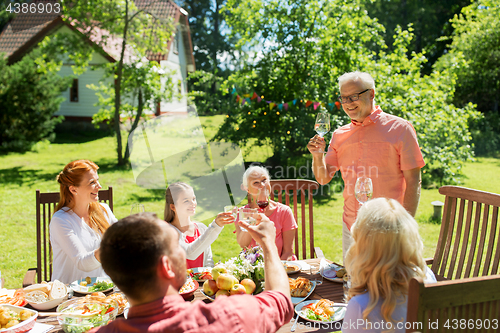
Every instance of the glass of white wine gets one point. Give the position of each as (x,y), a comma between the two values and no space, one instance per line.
(322,125)
(248,215)
(363,190)
(137,208)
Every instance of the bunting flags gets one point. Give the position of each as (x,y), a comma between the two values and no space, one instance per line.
(247,98)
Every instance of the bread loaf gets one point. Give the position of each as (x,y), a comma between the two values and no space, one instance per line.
(58,290)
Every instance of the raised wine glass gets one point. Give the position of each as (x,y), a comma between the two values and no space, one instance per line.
(137,208)
(322,125)
(363,190)
(263,199)
(248,215)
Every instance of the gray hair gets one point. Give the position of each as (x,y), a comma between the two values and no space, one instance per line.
(366,79)
(254,169)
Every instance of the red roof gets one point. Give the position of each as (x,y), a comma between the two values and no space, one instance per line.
(27,30)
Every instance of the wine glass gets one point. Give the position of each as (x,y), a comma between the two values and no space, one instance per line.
(263,198)
(248,215)
(231,209)
(322,125)
(363,190)
(137,208)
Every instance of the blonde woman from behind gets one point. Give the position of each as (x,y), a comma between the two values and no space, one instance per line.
(386,253)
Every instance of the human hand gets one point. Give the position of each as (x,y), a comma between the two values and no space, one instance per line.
(263,232)
(316,145)
(224,218)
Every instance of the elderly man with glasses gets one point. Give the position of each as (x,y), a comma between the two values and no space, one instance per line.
(375,144)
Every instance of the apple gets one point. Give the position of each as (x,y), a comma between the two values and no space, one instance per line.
(226,281)
(210,287)
(238,289)
(249,285)
(217,270)
(221,292)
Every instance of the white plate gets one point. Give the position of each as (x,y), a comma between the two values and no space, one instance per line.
(334,268)
(75,285)
(50,304)
(297,300)
(292,263)
(339,315)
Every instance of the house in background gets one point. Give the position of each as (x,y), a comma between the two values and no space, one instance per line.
(25,31)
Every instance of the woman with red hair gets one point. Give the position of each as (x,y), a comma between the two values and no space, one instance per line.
(78,224)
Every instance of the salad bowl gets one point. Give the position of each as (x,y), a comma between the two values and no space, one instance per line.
(100,315)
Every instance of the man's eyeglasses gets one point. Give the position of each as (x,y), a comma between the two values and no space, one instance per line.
(351,98)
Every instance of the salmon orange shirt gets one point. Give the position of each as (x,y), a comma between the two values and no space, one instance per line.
(380,148)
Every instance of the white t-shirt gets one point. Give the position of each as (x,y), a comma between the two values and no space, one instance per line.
(73,246)
(353,320)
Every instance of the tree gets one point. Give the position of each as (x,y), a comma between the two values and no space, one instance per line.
(305,47)
(140,32)
(30,94)
(429,20)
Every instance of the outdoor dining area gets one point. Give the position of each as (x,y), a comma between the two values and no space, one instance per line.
(466,265)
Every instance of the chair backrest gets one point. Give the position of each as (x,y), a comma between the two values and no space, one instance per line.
(45,207)
(468,240)
(464,305)
(288,193)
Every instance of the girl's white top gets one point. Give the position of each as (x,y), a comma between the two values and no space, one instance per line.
(73,246)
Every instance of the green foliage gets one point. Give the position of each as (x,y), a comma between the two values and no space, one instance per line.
(30,94)
(426,101)
(303,46)
(474,55)
(202,85)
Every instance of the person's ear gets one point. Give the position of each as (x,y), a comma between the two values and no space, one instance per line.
(372,94)
(165,268)
(244,188)
(72,189)
(172,207)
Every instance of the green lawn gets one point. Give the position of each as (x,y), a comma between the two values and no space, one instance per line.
(22,174)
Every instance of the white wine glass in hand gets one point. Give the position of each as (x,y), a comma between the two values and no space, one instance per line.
(322,125)
(248,215)
(363,190)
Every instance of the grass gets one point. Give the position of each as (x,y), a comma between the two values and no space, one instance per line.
(22,174)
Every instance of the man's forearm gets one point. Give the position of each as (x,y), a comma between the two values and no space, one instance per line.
(275,275)
(412,198)
(321,171)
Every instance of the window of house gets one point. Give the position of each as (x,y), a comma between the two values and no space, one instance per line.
(73,91)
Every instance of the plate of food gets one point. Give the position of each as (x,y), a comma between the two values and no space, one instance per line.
(91,285)
(332,272)
(300,289)
(200,274)
(321,311)
(291,267)
(17,319)
(46,295)
(118,297)
(188,289)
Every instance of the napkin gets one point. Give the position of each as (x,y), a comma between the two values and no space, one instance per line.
(41,328)
(303,265)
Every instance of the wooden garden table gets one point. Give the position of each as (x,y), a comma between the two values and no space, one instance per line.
(329,290)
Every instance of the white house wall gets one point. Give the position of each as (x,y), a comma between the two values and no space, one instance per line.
(177,63)
(86,97)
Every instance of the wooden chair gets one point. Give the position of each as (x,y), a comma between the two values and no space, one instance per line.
(468,241)
(291,189)
(45,208)
(465,305)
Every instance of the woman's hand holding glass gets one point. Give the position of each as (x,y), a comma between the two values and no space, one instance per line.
(224,218)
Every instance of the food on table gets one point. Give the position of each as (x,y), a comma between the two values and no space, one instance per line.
(88,279)
(226,281)
(210,287)
(299,287)
(323,310)
(9,318)
(188,286)
(83,283)
(249,285)
(217,270)
(99,315)
(119,298)
(101,286)
(17,299)
(237,289)
(45,291)
(341,272)
(205,275)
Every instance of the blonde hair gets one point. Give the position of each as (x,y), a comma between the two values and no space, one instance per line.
(72,175)
(252,170)
(171,194)
(385,254)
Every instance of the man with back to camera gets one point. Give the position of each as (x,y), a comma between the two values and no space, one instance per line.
(142,256)
(376,145)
